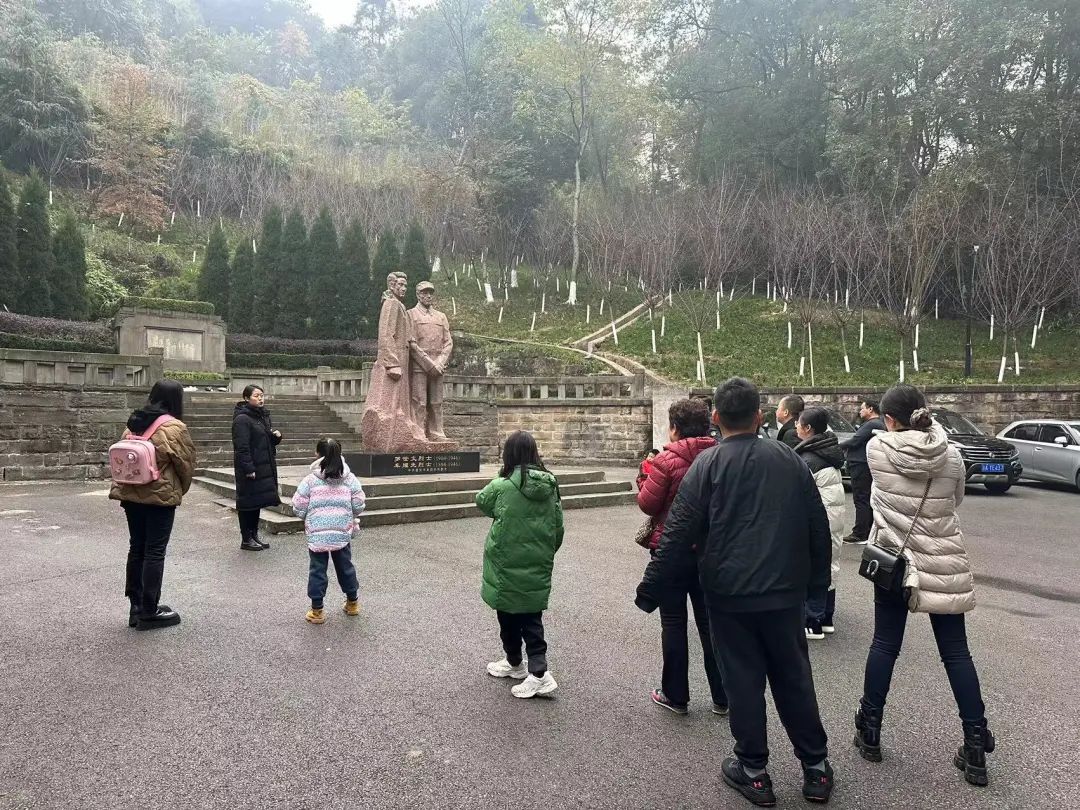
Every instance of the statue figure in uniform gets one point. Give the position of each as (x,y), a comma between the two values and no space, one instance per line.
(431,351)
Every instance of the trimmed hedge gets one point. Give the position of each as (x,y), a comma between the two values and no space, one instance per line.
(194,376)
(10,341)
(53,334)
(169,305)
(293,362)
(256,344)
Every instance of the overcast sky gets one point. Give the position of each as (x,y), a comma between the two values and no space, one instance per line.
(334,12)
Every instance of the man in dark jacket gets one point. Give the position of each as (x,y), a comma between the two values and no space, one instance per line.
(859,470)
(787,416)
(752,509)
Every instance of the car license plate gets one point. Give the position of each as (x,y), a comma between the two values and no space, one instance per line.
(993,468)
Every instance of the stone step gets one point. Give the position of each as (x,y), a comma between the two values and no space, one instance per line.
(224,434)
(277,523)
(416,500)
(404,485)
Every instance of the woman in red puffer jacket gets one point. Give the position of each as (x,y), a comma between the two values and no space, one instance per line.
(688,421)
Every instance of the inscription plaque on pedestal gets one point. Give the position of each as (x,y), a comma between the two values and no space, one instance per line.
(381,464)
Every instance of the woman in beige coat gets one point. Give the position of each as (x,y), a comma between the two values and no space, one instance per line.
(150,508)
(938,581)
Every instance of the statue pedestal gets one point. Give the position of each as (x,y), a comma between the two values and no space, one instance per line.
(372,465)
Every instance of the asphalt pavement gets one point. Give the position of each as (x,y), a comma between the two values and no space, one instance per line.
(244,705)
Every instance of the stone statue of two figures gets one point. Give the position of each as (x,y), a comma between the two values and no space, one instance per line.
(403,409)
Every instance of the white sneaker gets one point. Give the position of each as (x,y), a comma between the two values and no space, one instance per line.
(502,669)
(533,686)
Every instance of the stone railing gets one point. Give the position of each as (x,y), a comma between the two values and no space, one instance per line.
(81,369)
(353,385)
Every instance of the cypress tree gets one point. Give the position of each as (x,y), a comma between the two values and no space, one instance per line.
(293,283)
(9,257)
(356,293)
(213,284)
(387,260)
(69,273)
(414,261)
(242,317)
(34,245)
(264,278)
(327,302)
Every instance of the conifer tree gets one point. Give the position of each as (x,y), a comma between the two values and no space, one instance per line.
(242,317)
(34,245)
(414,261)
(327,301)
(264,278)
(69,272)
(213,284)
(9,257)
(293,283)
(387,260)
(356,293)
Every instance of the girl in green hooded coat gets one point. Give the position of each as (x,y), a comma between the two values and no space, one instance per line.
(519,555)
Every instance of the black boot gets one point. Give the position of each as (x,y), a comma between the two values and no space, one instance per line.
(971,758)
(868,732)
(248,541)
(163,616)
(133,612)
(257,539)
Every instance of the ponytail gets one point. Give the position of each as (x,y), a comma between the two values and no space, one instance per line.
(332,464)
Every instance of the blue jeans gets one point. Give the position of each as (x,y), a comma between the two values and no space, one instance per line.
(343,567)
(890,619)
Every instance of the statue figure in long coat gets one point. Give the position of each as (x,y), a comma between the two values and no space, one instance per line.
(387,425)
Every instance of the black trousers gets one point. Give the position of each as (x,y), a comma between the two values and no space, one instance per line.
(890,619)
(751,648)
(249,522)
(149,528)
(515,628)
(674,624)
(861,480)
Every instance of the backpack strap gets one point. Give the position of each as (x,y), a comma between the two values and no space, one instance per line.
(161,420)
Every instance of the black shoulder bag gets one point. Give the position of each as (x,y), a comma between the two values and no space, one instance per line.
(883,566)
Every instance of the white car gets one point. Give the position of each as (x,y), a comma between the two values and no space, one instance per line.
(1049,448)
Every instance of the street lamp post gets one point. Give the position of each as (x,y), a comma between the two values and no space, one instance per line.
(970,286)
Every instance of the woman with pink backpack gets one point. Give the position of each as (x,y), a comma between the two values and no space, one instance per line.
(151,467)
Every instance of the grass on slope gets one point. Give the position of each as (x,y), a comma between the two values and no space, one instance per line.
(752,341)
(561,323)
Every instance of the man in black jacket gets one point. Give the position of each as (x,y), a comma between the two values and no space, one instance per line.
(750,510)
(787,417)
(859,470)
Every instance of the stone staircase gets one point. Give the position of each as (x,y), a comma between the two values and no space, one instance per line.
(420,499)
(302,420)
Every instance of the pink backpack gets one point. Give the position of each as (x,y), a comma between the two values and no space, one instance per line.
(133,460)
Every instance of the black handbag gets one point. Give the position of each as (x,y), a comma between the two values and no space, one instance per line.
(883,566)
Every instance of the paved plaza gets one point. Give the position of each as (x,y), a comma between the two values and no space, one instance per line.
(247,706)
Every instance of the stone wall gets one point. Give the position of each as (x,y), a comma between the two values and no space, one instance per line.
(991,407)
(60,432)
(586,432)
(191,342)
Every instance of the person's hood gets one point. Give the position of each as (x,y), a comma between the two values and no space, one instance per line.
(243,406)
(826,446)
(142,418)
(689,449)
(539,485)
(314,468)
(916,453)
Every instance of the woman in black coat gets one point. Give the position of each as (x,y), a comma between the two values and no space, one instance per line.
(254,464)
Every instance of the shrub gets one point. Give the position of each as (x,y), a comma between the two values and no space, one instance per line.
(103,292)
(290,362)
(88,336)
(255,344)
(10,341)
(193,376)
(169,305)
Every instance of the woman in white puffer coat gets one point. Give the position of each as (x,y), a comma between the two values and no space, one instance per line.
(938,581)
(822,454)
